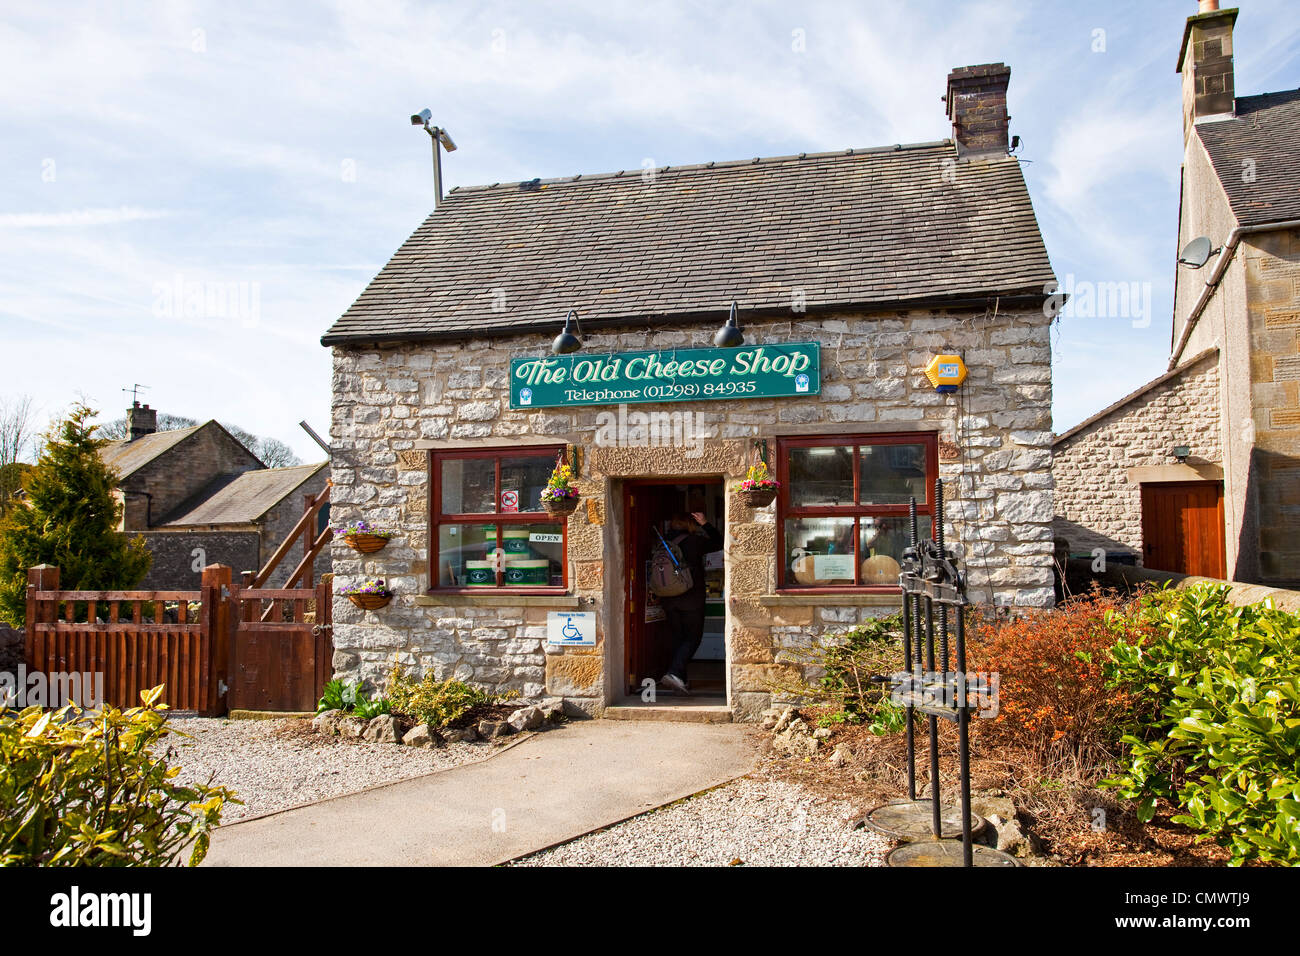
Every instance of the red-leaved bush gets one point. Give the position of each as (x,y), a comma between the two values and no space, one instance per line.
(1053,705)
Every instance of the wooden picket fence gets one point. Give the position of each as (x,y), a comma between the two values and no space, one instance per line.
(225,646)
(136,639)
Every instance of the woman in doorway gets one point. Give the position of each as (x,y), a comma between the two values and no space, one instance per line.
(695,537)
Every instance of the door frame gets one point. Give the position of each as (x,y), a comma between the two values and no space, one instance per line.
(627,485)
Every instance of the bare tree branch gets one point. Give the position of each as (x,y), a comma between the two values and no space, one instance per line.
(15,428)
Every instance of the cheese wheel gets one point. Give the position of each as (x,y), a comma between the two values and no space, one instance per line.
(881,569)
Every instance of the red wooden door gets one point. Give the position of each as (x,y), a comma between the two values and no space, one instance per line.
(645,642)
(1182,527)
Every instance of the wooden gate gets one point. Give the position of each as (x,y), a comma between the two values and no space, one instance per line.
(281,650)
(1182,527)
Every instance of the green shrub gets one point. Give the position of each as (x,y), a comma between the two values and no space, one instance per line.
(890,718)
(843,667)
(349,697)
(337,696)
(431,701)
(368,708)
(84,789)
(1217,727)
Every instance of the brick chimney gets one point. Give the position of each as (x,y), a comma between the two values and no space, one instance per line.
(977,106)
(142,419)
(1205,61)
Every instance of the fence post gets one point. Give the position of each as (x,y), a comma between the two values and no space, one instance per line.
(43,577)
(325,622)
(215,670)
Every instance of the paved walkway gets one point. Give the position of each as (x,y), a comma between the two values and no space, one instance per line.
(550,788)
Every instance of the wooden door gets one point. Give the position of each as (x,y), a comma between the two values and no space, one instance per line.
(645,643)
(1182,527)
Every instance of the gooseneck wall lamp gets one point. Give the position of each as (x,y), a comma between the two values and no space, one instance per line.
(730,335)
(567,341)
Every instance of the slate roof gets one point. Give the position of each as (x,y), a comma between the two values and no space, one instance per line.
(1266,130)
(127,457)
(877,228)
(242,498)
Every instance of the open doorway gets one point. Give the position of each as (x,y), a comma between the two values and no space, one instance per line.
(649,505)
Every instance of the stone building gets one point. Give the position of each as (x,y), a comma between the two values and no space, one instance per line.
(852,271)
(198,497)
(1197,471)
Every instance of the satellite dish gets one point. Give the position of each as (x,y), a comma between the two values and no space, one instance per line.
(1197,252)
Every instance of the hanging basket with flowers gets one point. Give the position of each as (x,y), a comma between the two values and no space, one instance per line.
(759,487)
(368,595)
(363,536)
(559,497)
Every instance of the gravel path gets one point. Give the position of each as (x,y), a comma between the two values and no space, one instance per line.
(277,764)
(752,821)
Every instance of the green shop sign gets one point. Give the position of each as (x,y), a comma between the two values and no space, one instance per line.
(667,375)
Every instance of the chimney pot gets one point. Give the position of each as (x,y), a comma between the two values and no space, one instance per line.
(1209,6)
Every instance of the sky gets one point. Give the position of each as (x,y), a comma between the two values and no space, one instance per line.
(191,193)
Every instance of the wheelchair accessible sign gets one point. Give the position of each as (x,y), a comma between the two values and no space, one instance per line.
(571,628)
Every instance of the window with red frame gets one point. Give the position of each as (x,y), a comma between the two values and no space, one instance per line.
(487,525)
(842,509)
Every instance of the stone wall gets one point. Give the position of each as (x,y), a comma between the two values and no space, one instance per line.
(1098,504)
(1273,316)
(389,403)
(1222,324)
(175,561)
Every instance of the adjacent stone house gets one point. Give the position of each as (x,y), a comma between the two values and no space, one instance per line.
(1198,471)
(851,270)
(199,497)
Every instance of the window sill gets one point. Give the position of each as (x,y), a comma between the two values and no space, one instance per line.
(824,596)
(496,598)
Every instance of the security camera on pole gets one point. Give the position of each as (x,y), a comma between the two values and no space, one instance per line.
(441,138)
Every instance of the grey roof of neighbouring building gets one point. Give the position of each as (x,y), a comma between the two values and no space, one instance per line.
(243,498)
(126,457)
(877,229)
(1265,132)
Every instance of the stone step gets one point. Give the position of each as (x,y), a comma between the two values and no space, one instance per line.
(686,713)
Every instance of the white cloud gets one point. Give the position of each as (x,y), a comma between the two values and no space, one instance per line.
(78,218)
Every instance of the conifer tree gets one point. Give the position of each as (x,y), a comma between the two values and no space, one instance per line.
(68,518)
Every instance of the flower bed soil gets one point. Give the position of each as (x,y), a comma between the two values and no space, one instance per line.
(1062,819)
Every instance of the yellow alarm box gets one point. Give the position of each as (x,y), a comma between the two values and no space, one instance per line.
(946,372)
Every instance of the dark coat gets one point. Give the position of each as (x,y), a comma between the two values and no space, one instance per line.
(694,547)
